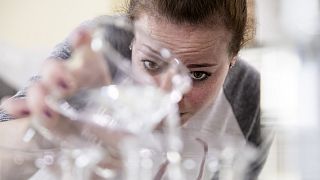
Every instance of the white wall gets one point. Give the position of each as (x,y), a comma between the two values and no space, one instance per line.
(42,23)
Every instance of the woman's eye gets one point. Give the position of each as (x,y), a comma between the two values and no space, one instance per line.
(150,65)
(199,75)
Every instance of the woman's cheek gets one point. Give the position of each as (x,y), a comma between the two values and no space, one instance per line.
(205,92)
(199,97)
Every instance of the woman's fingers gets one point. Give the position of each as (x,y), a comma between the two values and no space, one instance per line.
(57,79)
(85,69)
(38,106)
(88,66)
(15,107)
(80,37)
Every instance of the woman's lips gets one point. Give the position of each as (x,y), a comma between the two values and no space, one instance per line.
(181,114)
(183,118)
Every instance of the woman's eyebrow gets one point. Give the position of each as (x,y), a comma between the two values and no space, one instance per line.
(151,52)
(156,54)
(200,65)
(150,49)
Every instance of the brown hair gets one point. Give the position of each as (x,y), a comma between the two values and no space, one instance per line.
(231,13)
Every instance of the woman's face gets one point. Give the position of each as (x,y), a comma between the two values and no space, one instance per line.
(202,50)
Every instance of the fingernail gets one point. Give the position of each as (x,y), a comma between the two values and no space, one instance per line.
(25,112)
(79,37)
(63,84)
(47,113)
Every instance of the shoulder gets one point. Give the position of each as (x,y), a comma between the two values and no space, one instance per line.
(242,90)
(119,39)
(242,80)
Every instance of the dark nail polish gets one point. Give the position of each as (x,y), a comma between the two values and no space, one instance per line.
(63,84)
(25,112)
(48,113)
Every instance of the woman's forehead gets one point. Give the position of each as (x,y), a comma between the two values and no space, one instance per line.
(157,26)
(187,42)
(176,34)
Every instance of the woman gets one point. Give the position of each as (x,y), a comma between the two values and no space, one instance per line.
(206,35)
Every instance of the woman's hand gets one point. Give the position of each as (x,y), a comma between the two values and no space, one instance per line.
(86,68)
